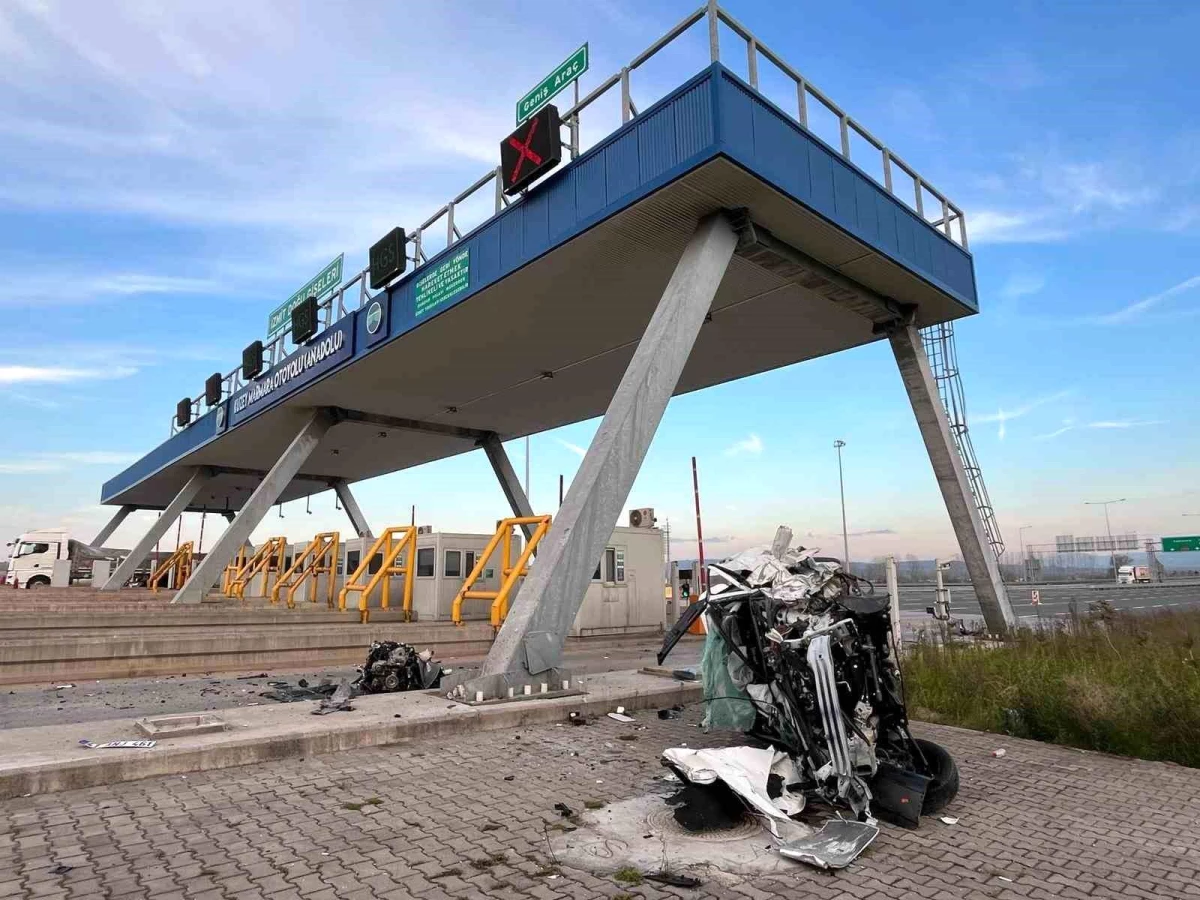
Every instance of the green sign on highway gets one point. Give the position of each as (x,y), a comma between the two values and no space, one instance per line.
(328,279)
(568,70)
(1181,544)
(446,281)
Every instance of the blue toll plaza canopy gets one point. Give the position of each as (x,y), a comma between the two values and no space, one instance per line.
(527,322)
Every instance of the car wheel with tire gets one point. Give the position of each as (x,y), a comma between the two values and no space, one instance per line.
(38,581)
(943,773)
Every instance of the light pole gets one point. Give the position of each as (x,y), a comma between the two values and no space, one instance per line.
(1111,548)
(838,445)
(1021,542)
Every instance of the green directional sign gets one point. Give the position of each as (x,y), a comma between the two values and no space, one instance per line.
(444,282)
(566,72)
(328,279)
(1181,544)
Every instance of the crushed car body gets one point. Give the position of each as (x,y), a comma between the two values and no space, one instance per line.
(800,656)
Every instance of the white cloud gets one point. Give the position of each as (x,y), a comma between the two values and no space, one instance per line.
(1126,423)
(59,374)
(751,445)
(1022,284)
(41,289)
(1070,425)
(1137,307)
(1003,416)
(46,463)
(574,448)
(1044,198)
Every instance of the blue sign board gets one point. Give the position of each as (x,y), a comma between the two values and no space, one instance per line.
(334,346)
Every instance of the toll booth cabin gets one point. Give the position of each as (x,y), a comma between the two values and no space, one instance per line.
(624,597)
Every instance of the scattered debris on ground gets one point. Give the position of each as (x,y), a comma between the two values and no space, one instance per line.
(800,655)
(673,880)
(338,701)
(390,667)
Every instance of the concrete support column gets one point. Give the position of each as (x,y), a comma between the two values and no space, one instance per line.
(259,504)
(532,637)
(141,550)
(113,524)
(509,483)
(355,514)
(952,478)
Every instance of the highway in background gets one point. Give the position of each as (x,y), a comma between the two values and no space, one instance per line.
(1056,598)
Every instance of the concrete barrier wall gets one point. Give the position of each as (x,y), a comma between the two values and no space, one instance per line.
(66,651)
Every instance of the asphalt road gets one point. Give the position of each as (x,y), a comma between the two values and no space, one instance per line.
(1056,598)
(63,703)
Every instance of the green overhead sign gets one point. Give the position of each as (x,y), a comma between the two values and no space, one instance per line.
(566,72)
(328,279)
(443,282)
(1181,544)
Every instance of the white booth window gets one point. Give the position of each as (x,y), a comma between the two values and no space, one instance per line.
(453,567)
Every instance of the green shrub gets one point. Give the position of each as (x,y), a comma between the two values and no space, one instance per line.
(1120,683)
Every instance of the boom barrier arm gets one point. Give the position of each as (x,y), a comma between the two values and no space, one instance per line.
(509,572)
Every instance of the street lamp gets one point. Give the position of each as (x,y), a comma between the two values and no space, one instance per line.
(838,445)
(1111,547)
(1021,542)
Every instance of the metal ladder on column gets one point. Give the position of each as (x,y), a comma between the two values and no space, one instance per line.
(943,360)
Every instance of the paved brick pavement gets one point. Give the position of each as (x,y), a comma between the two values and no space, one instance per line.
(436,819)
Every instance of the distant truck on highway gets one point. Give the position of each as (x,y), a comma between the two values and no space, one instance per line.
(1133,575)
(40,559)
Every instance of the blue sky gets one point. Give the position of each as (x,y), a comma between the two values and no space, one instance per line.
(171,172)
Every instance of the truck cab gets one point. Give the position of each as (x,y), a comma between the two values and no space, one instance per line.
(39,559)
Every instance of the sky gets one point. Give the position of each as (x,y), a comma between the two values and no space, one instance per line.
(173,171)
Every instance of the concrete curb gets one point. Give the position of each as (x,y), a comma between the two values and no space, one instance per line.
(49,759)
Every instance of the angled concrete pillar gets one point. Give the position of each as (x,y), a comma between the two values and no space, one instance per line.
(532,637)
(260,502)
(952,478)
(341,487)
(509,483)
(113,524)
(141,550)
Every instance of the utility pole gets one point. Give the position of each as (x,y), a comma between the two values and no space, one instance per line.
(1021,543)
(838,445)
(1108,527)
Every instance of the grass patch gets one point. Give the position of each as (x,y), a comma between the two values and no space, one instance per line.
(628,875)
(353,807)
(593,804)
(1118,683)
(446,873)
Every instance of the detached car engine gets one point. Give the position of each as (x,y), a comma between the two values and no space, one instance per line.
(392,666)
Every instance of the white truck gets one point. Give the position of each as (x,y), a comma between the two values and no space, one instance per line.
(39,559)
(1133,575)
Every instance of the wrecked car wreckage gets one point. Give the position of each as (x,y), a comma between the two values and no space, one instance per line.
(800,656)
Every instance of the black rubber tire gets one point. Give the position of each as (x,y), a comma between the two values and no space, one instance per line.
(944,772)
(37,581)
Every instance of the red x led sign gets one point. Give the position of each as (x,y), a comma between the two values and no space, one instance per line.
(531,151)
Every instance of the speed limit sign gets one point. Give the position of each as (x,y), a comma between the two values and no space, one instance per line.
(1035,597)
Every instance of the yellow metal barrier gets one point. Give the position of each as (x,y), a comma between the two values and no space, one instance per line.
(267,559)
(391,544)
(320,557)
(509,572)
(232,569)
(179,562)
